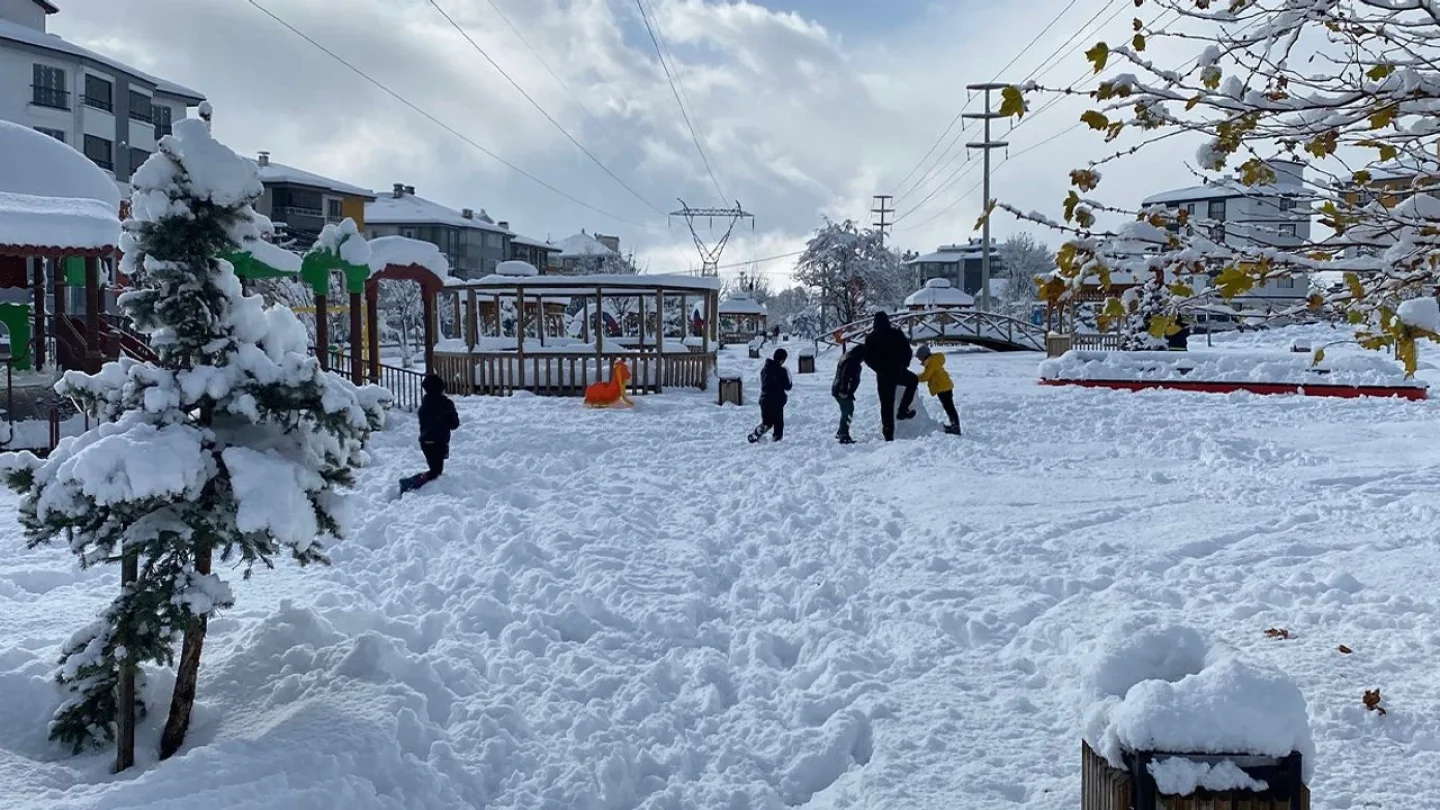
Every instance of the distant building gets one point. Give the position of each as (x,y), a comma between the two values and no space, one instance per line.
(111,112)
(583,254)
(473,243)
(1407,189)
(302,203)
(961,265)
(1274,215)
(539,254)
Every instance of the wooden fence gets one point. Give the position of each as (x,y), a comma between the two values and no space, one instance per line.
(568,373)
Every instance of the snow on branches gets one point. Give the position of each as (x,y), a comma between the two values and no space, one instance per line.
(1347,88)
(853,271)
(233,444)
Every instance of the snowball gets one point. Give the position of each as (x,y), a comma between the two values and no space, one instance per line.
(1420,313)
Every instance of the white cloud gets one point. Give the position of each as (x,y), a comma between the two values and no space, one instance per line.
(799,123)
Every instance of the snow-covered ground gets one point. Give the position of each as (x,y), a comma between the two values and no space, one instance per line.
(621,609)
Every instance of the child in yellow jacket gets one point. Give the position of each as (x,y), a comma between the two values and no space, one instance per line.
(938,380)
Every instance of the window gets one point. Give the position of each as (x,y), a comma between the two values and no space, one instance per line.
(334,210)
(1287,203)
(161,115)
(1287,230)
(140,107)
(1216,210)
(99,93)
(101,151)
(50,88)
(137,159)
(1287,283)
(1190,209)
(1217,233)
(408,233)
(57,134)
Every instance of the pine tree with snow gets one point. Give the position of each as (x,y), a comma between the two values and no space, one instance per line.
(1148,312)
(232,445)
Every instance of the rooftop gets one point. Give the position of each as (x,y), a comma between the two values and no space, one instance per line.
(51,196)
(741,303)
(583,244)
(955,253)
(938,292)
(272,172)
(16,32)
(409,209)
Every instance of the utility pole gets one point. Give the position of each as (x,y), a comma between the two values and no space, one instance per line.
(884,209)
(986,146)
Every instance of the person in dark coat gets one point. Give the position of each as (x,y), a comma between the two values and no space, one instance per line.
(774,393)
(888,354)
(437,419)
(847,382)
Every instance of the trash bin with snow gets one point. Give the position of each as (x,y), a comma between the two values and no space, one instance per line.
(754,347)
(805,359)
(1174,724)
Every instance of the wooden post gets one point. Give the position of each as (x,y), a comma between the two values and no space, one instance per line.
(428,298)
(357,363)
(322,331)
(372,319)
(641,299)
(660,340)
(94,358)
(599,334)
(37,285)
(472,320)
(125,723)
(520,337)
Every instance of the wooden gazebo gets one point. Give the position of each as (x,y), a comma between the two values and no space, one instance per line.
(59,220)
(741,318)
(487,358)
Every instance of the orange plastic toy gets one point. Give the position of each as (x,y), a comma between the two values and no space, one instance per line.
(611,393)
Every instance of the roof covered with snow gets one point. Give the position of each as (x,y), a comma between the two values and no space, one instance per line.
(1220,190)
(954,254)
(938,292)
(16,32)
(583,244)
(273,256)
(51,196)
(530,241)
(273,172)
(403,252)
(516,269)
(409,209)
(611,284)
(741,303)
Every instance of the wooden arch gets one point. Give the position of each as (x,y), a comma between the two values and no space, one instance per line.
(430,288)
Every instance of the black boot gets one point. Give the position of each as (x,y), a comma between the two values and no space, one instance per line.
(756,434)
(844,438)
(953,430)
(910,414)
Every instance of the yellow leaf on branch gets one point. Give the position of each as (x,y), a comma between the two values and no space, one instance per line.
(1234,281)
(1098,56)
(1012,102)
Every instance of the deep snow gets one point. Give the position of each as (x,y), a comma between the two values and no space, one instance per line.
(615,609)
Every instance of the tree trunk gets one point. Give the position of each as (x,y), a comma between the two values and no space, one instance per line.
(182,701)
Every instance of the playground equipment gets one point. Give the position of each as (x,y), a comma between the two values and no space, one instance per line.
(610,393)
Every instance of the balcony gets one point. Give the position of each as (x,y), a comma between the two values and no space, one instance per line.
(284,212)
(50,97)
(99,103)
(107,165)
(142,115)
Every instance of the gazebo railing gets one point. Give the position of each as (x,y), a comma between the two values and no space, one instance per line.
(552,373)
(402,383)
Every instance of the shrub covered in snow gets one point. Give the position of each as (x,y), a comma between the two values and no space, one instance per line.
(233,444)
(1165,689)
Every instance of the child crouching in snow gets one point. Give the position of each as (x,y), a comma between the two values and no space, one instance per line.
(938,380)
(437,419)
(774,383)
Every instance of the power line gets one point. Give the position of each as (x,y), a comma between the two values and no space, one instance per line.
(680,83)
(436,121)
(900,191)
(645,16)
(536,105)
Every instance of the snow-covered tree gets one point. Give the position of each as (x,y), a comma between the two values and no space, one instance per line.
(852,271)
(1348,87)
(1148,313)
(231,446)
(1025,259)
(401,315)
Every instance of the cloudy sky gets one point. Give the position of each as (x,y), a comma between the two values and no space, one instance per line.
(805,108)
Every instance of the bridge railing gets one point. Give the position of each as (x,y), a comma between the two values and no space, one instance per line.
(941,325)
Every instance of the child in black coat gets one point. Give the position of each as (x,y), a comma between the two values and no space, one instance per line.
(437,419)
(847,381)
(774,385)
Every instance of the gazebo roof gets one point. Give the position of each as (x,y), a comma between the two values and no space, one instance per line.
(608,284)
(741,304)
(938,292)
(53,200)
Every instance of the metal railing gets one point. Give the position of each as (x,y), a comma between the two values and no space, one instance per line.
(99,103)
(50,97)
(402,383)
